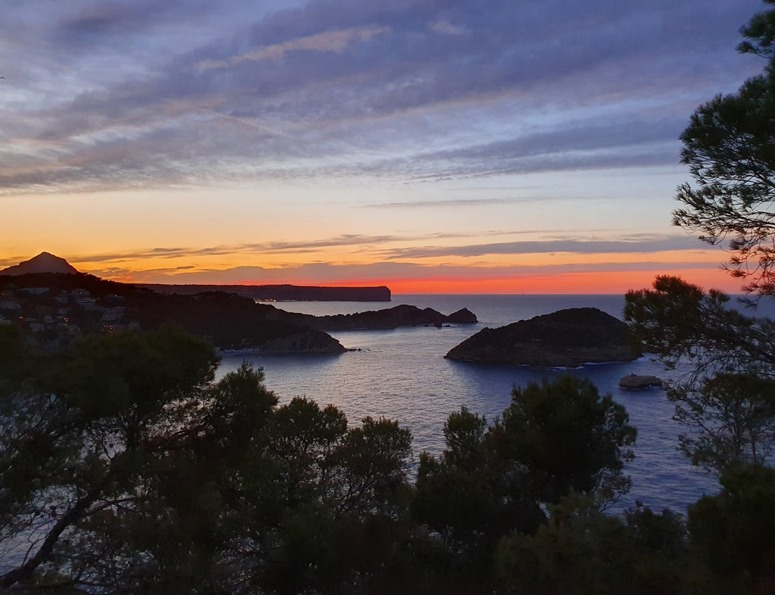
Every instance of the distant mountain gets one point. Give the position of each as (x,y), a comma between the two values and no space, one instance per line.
(45,262)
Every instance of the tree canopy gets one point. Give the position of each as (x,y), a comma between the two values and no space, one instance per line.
(725,394)
(729,147)
(125,467)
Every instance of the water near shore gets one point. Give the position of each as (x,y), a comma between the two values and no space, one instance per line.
(402,374)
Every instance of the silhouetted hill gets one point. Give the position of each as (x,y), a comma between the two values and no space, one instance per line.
(67,282)
(229,320)
(45,262)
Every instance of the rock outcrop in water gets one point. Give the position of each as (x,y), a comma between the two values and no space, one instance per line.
(567,338)
(388,318)
(640,382)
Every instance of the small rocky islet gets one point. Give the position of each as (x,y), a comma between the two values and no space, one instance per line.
(388,318)
(640,382)
(566,338)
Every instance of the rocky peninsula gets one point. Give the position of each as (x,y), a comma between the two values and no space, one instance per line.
(54,303)
(566,338)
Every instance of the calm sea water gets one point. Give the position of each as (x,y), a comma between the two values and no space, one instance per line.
(402,374)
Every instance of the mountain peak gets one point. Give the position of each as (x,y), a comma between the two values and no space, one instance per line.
(45,262)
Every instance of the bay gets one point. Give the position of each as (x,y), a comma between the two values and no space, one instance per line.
(401,374)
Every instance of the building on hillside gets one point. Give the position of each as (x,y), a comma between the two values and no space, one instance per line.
(34,290)
(111,315)
(85,302)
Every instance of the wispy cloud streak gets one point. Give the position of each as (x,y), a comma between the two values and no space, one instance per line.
(152,94)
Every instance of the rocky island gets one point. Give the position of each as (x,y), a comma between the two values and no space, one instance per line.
(389,318)
(567,338)
(640,382)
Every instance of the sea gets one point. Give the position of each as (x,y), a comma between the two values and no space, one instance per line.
(402,374)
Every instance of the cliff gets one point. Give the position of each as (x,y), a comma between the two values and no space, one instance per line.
(567,338)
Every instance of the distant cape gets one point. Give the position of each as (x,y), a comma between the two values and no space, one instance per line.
(284,293)
(45,262)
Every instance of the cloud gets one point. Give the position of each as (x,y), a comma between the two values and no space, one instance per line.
(448,28)
(328,41)
(386,253)
(120,95)
(459,202)
(297,247)
(383,272)
(633,245)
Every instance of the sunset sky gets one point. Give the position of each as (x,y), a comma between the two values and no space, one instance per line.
(446,146)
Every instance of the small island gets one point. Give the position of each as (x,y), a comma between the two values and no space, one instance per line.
(640,382)
(388,318)
(566,338)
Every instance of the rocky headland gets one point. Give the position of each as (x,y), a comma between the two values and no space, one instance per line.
(284,293)
(54,303)
(567,338)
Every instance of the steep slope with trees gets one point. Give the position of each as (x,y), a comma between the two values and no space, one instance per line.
(727,399)
(124,468)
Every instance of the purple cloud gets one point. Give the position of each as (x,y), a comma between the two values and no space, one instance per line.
(116,95)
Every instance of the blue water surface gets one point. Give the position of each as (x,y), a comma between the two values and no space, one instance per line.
(401,374)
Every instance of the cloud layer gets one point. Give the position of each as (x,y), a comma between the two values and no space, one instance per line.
(144,94)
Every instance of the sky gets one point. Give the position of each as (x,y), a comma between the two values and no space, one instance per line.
(433,146)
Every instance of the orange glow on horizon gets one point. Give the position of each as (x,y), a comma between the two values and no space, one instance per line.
(482,280)
(609,282)
(565,283)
